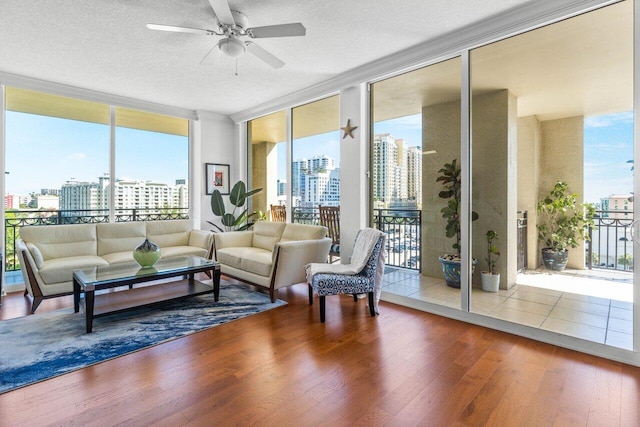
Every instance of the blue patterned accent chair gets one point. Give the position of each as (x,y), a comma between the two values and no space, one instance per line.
(334,284)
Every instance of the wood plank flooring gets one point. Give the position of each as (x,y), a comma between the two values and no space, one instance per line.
(283,367)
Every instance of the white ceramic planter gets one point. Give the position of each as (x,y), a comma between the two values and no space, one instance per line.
(490,282)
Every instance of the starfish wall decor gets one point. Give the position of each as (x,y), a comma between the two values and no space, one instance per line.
(348,129)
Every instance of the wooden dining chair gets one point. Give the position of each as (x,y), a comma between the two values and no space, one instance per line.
(330,218)
(278,213)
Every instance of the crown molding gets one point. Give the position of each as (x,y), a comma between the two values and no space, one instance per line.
(210,115)
(517,20)
(92,95)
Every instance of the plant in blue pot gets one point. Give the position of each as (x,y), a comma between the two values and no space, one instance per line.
(452,183)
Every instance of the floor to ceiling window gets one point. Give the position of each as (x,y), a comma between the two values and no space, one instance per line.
(416,133)
(314,169)
(267,150)
(551,110)
(315,152)
(58,164)
(152,164)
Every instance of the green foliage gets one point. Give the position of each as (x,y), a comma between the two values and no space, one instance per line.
(452,183)
(625,260)
(492,249)
(238,198)
(562,222)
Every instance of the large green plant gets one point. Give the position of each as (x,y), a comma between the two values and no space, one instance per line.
(452,183)
(238,198)
(562,221)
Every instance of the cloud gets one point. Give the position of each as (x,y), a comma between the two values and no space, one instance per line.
(608,119)
(77,156)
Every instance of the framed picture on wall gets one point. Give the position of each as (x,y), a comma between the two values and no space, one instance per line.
(217,178)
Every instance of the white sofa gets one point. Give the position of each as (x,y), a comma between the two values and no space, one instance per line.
(49,254)
(272,254)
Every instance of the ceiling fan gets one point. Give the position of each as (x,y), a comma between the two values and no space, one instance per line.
(232,25)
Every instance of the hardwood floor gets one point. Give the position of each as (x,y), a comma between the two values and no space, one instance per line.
(283,367)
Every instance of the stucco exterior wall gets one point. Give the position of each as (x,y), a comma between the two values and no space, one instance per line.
(529,146)
(562,158)
(264,168)
(440,132)
(494,189)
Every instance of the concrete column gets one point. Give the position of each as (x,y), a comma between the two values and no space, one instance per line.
(562,158)
(354,167)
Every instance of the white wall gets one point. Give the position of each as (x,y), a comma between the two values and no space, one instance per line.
(215,140)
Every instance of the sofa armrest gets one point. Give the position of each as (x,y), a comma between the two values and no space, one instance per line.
(201,239)
(292,256)
(28,268)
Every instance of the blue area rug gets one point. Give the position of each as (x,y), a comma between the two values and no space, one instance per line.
(41,346)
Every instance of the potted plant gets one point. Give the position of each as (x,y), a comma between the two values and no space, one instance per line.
(562,224)
(491,279)
(237,197)
(452,183)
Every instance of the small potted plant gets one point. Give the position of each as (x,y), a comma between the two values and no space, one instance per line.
(562,224)
(491,279)
(452,183)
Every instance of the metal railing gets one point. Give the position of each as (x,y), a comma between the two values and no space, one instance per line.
(402,227)
(14,219)
(610,243)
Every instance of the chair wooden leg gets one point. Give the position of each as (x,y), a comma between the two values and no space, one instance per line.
(26,292)
(372,309)
(310,295)
(322,308)
(272,294)
(355,297)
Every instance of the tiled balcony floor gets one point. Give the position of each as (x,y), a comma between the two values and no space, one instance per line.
(592,305)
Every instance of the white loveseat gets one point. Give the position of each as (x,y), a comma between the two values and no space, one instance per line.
(49,254)
(272,254)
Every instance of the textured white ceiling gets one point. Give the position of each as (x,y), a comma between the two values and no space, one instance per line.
(105,45)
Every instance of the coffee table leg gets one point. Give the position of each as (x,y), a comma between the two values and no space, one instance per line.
(216,284)
(76,296)
(88,300)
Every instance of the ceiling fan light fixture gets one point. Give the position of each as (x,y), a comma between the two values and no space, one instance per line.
(232,47)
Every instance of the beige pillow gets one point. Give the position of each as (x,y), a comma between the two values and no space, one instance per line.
(36,254)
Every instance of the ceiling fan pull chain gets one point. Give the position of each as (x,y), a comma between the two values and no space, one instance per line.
(236,66)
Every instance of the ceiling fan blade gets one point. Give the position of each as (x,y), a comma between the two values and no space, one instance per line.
(223,11)
(264,55)
(212,56)
(282,30)
(176,29)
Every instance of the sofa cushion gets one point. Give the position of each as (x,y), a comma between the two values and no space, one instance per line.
(303,232)
(62,241)
(61,269)
(169,233)
(254,260)
(174,251)
(119,257)
(266,234)
(120,236)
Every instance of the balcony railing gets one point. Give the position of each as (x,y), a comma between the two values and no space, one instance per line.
(402,227)
(611,244)
(14,219)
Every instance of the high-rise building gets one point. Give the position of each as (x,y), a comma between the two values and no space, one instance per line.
(397,172)
(129,194)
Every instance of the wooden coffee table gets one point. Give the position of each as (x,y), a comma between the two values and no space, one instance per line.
(97,304)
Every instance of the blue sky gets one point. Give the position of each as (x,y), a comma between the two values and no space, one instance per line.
(45,152)
(608,145)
